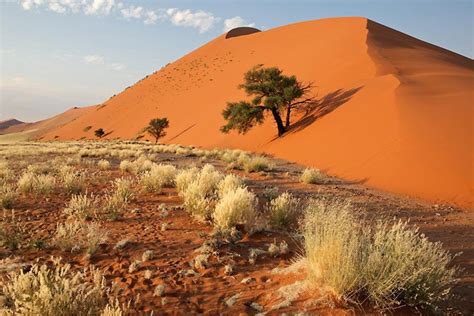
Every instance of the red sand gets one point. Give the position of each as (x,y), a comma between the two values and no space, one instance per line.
(399,110)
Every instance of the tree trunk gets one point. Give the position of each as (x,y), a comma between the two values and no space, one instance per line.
(279,122)
(288,113)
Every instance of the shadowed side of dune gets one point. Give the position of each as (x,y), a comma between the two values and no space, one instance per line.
(241,31)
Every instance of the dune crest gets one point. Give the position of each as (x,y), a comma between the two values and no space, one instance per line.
(393,111)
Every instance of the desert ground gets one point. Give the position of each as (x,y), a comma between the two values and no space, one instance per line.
(167,230)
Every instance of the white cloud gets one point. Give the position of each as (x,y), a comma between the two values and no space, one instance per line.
(132,12)
(29,4)
(234,22)
(117,66)
(93,59)
(201,20)
(198,19)
(99,7)
(151,17)
(56,7)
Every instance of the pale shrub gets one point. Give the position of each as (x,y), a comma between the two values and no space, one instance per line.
(40,184)
(26,182)
(81,207)
(235,207)
(208,178)
(403,266)
(158,177)
(95,236)
(256,164)
(182,151)
(311,176)
(56,291)
(75,235)
(283,210)
(40,169)
(184,178)
(123,189)
(103,164)
(127,166)
(114,206)
(197,201)
(334,246)
(64,170)
(148,255)
(5,172)
(44,184)
(231,155)
(230,183)
(12,231)
(199,194)
(151,182)
(8,195)
(66,236)
(166,172)
(73,182)
(387,265)
(143,164)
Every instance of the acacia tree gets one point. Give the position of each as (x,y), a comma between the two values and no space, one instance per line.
(99,132)
(157,126)
(272,92)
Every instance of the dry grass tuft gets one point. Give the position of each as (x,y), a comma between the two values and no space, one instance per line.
(311,176)
(235,207)
(198,195)
(56,290)
(283,210)
(30,182)
(158,177)
(387,265)
(81,207)
(8,195)
(103,164)
(74,236)
(230,183)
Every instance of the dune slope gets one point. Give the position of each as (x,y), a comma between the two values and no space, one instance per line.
(393,111)
(36,130)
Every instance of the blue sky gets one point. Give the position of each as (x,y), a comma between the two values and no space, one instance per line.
(56,54)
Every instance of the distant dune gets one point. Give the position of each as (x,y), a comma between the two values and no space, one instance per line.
(394,112)
(4,125)
(36,130)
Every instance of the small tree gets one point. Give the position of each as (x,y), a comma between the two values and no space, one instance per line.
(99,132)
(272,92)
(157,126)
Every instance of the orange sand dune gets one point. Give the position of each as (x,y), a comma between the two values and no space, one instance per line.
(42,127)
(395,112)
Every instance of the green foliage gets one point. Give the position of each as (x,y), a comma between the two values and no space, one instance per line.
(241,116)
(272,92)
(157,126)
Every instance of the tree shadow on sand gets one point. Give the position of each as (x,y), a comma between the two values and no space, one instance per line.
(322,107)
